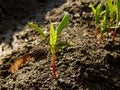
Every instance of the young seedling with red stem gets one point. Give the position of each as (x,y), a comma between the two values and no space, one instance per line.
(104,24)
(112,13)
(109,16)
(97,14)
(53,39)
(117,18)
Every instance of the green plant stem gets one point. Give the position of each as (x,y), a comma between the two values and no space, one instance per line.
(53,65)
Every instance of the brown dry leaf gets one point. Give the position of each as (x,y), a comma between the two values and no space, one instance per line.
(1,62)
(22,60)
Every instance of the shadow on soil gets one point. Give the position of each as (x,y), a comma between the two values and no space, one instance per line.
(14,15)
(100,76)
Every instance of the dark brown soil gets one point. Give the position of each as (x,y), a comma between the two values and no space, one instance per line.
(87,65)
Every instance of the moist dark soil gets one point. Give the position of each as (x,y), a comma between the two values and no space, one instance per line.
(86,65)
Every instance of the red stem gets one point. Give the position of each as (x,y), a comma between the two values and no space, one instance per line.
(114,34)
(53,66)
(101,37)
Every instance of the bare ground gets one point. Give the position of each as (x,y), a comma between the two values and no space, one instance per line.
(86,65)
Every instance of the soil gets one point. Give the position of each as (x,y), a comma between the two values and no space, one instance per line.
(86,65)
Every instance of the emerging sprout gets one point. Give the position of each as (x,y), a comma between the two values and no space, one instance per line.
(104,24)
(117,18)
(97,14)
(112,13)
(53,41)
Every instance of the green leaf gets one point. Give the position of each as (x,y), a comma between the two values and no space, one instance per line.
(62,24)
(59,45)
(109,3)
(53,35)
(118,9)
(112,9)
(104,21)
(93,9)
(103,12)
(98,12)
(37,29)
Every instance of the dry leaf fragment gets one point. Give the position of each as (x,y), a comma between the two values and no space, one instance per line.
(1,62)
(22,60)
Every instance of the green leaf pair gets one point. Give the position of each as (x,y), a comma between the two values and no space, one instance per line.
(112,10)
(97,11)
(104,21)
(54,34)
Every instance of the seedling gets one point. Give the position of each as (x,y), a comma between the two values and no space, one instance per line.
(109,16)
(53,41)
(104,26)
(112,10)
(117,18)
(97,14)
